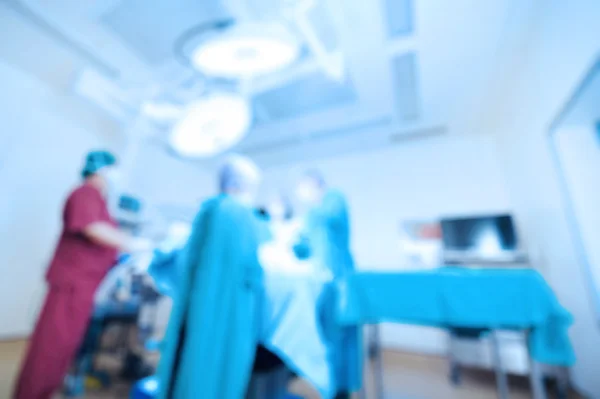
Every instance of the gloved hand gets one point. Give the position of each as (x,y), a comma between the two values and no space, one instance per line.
(302,248)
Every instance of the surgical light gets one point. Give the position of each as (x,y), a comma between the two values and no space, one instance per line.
(246,51)
(211,125)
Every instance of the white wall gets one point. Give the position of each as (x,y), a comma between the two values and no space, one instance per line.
(171,188)
(546,69)
(41,154)
(42,145)
(166,179)
(578,150)
(422,179)
(46,131)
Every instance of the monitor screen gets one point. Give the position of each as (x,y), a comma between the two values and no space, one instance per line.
(486,236)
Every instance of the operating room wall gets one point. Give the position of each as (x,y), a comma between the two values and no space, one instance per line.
(42,145)
(163,178)
(578,149)
(40,155)
(46,131)
(547,69)
(170,187)
(421,179)
(45,134)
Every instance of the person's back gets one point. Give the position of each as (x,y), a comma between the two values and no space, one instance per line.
(327,242)
(330,221)
(224,231)
(211,337)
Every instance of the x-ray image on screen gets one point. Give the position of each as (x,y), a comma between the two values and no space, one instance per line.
(485,237)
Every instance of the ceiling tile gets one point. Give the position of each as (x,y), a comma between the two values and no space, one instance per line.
(405,85)
(151,30)
(399,17)
(311,93)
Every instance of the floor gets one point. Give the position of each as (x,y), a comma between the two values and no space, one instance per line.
(406,377)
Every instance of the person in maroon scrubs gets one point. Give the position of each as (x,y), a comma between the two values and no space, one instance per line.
(86,251)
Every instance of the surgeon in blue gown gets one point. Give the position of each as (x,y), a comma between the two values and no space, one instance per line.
(211,338)
(326,241)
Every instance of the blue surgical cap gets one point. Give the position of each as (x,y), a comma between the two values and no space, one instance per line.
(97,160)
(316,176)
(238,173)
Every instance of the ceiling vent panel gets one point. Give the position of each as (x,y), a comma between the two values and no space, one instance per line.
(399,18)
(416,134)
(369,136)
(316,137)
(309,94)
(405,86)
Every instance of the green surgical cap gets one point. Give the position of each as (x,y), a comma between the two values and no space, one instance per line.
(97,160)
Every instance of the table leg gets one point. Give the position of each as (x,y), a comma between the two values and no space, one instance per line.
(537,380)
(362,394)
(501,379)
(563,383)
(378,363)
(454,372)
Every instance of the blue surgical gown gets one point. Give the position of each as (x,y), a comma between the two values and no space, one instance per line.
(327,242)
(211,338)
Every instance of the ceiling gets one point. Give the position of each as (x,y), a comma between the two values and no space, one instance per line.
(411,67)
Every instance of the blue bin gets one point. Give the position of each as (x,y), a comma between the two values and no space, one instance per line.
(145,389)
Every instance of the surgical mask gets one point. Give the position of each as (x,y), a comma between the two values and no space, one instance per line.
(246,198)
(114,178)
(308,193)
(114,187)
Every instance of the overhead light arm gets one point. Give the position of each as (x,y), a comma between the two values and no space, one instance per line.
(331,62)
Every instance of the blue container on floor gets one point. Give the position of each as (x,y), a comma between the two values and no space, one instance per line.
(147,388)
(144,389)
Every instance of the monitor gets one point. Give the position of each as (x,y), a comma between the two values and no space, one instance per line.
(483,238)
